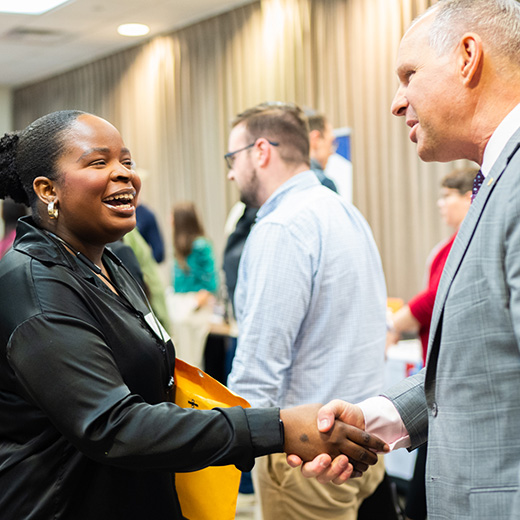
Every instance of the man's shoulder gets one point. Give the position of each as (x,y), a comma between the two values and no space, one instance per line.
(306,220)
(313,199)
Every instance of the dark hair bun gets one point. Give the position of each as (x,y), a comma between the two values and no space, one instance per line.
(10,182)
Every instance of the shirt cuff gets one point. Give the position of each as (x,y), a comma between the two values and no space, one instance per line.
(266,432)
(383,420)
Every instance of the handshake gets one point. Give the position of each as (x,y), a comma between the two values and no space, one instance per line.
(330,440)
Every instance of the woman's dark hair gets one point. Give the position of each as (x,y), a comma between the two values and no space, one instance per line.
(31,153)
(461,180)
(186,228)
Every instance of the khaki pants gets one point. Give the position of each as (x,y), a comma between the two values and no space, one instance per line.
(284,493)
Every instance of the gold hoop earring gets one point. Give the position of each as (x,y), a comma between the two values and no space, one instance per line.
(52,210)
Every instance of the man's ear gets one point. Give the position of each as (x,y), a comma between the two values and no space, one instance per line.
(263,152)
(44,189)
(471,54)
(314,137)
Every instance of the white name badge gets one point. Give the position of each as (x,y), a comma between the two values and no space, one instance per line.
(156,326)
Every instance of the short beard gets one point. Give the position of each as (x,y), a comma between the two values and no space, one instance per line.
(250,193)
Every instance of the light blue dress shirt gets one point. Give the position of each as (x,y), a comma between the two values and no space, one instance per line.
(310,300)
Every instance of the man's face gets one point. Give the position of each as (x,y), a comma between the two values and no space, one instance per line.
(324,146)
(243,172)
(428,95)
(453,206)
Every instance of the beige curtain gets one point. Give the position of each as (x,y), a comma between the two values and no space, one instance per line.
(174,97)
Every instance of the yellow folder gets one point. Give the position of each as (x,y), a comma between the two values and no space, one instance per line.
(210,493)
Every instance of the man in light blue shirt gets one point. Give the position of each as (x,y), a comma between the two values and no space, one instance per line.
(310,302)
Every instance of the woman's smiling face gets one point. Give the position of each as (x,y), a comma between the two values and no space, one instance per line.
(97,187)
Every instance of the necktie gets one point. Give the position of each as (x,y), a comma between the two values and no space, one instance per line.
(477,183)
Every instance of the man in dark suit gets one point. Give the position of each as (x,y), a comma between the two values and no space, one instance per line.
(459,75)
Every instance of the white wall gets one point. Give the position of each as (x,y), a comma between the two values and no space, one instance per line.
(6,113)
(6,121)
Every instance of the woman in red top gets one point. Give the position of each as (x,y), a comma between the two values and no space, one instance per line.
(454,203)
(415,317)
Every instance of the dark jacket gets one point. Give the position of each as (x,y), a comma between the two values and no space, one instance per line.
(320,173)
(85,431)
(233,250)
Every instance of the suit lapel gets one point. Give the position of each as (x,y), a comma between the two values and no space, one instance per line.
(463,239)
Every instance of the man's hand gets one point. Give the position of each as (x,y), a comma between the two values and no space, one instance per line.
(334,440)
(360,449)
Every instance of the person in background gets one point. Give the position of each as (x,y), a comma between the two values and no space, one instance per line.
(88,428)
(195,284)
(322,146)
(310,300)
(11,212)
(234,247)
(126,254)
(415,317)
(194,259)
(154,286)
(236,239)
(149,229)
(453,203)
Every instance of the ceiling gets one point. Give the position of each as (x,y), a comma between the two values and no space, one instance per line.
(36,47)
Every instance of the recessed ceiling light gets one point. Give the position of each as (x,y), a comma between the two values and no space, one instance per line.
(29,6)
(133,29)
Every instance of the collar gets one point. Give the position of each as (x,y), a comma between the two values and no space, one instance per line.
(315,165)
(298,182)
(32,241)
(504,131)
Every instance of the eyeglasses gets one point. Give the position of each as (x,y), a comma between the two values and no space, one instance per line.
(230,156)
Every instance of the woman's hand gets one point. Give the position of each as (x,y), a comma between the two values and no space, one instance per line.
(341,433)
(204,298)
